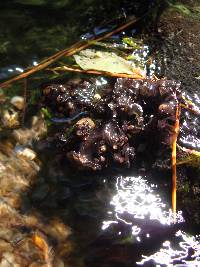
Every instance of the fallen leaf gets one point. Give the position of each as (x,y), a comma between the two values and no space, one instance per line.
(91,59)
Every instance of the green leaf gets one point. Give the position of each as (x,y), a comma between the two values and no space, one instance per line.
(91,59)
(131,42)
(46,113)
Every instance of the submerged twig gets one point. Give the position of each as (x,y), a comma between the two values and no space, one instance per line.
(136,75)
(67,52)
(191,109)
(184,161)
(189,151)
(174,177)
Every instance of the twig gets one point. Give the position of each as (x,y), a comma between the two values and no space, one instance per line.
(135,75)
(67,52)
(174,177)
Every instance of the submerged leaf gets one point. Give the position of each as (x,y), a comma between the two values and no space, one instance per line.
(91,59)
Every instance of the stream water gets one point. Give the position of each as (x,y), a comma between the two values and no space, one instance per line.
(115,218)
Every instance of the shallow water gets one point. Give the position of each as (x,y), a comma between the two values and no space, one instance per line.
(110,219)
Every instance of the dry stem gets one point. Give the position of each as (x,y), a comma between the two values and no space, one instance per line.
(174,176)
(136,74)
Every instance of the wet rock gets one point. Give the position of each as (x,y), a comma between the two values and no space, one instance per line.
(178,52)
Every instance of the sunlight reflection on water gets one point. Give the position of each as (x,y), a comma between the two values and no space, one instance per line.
(168,254)
(136,197)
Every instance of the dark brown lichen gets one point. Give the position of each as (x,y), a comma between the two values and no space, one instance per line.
(107,122)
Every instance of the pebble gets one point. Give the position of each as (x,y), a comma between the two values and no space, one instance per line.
(18,102)
(25,152)
(86,121)
(10,118)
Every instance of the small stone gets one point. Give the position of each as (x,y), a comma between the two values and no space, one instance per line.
(97,97)
(25,152)
(34,121)
(8,260)
(10,118)
(18,102)
(86,121)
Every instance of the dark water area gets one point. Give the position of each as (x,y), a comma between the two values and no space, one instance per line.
(112,217)
(40,28)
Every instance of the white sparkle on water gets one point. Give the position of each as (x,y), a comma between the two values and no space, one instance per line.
(167,255)
(138,198)
(135,197)
(19,69)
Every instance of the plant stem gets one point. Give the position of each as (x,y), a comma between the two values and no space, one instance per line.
(135,75)
(174,176)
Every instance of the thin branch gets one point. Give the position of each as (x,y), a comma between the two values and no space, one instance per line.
(67,52)
(174,176)
(136,74)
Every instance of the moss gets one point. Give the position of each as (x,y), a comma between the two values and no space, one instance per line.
(181,8)
(185,9)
